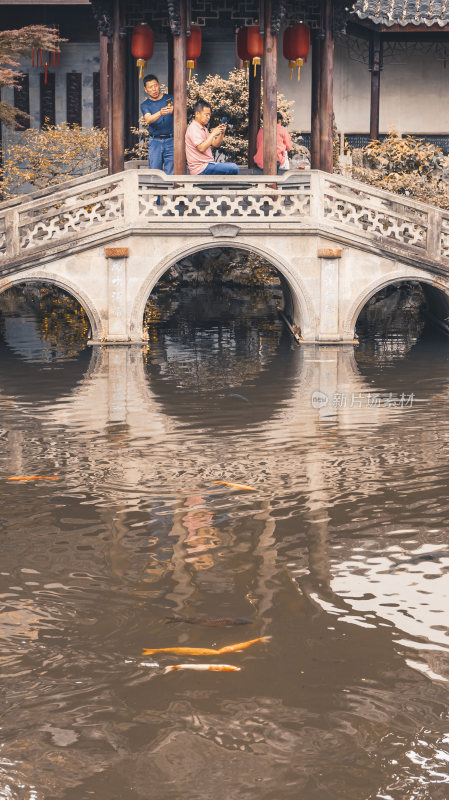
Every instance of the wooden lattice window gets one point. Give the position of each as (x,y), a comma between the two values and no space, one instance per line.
(74,98)
(97,101)
(47,94)
(22,101)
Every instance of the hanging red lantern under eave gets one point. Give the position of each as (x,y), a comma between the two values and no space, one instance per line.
(142,45)
(254,43)
(242,47)
(193,47)
(296,46)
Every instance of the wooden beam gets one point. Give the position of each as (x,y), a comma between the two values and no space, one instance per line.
(180,94)
(269,95)
(117,98)
(253,112)
(327,88)
(315,132)
(375,67)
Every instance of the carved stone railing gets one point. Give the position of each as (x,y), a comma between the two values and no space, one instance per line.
(96,207)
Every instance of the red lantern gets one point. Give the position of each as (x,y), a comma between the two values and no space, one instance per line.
(142,45)
(193,45)
(242,46)
(254,44)
(296,46)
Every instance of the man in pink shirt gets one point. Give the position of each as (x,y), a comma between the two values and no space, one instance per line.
(283,144)
(199,143)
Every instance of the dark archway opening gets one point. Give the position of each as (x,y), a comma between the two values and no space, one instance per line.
(215,334)
(41,322)
(404,329)
(399,316)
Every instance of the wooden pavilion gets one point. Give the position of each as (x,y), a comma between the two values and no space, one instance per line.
(372,19)
(375,21)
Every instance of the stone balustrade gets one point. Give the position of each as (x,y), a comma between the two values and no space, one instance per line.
(91,208)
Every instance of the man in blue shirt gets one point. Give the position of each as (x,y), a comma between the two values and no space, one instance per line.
(157,112)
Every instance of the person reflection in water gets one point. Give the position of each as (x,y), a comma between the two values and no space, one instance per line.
(201,535)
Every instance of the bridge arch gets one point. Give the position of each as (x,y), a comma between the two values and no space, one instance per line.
(302,310)
(67,286)
(436,292)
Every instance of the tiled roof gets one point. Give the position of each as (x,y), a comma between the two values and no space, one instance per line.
(403,12)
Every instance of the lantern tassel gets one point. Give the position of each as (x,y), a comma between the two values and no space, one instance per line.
(46,72)
(141,63)
(299,64)
(190,66)
(256,63)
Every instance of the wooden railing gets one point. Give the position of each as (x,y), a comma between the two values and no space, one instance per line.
(91,207)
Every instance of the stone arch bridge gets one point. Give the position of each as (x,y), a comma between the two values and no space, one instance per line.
(107,239)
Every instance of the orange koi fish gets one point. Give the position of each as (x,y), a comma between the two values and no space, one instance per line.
(205,667)
(35,478)
(236,485)
(205,651)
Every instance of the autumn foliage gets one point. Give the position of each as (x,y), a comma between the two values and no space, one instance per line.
(404,165)
(14,45)
(35,159)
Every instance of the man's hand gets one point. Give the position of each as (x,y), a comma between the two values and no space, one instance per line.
(218,131)
(166,110)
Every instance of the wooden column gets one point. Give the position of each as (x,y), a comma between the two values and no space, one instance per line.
(375,68)
(110,95)
(117,96)
(327,87)
(269,95)
(315,131)
(170,64)
(180,93)
(132,110)
(253,112)
(104,94)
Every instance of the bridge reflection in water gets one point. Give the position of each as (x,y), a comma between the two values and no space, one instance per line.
(325,556)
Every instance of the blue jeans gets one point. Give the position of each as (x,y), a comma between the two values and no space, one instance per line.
(160,154)
(221,168)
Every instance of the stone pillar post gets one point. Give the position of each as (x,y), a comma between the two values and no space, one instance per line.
(117,291)
(329,294)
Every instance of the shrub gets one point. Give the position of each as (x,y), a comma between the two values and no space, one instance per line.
(406,166)
(34,159)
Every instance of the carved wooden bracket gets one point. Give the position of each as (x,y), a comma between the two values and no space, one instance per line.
(174,16)
(278,14)
(102,11)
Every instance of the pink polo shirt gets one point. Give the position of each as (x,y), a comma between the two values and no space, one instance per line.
(197,161)
(283,144)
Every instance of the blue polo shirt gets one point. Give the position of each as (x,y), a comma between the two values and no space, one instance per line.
(164,125)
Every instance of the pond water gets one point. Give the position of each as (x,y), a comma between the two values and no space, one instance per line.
(339,554)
